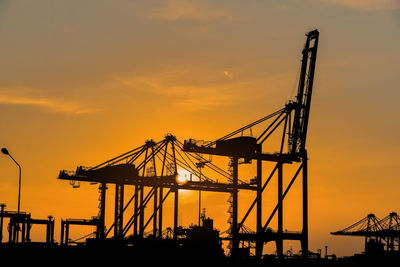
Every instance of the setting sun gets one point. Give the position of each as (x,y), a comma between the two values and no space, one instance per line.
(183,176)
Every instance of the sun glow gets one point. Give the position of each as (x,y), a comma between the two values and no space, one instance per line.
(183,176)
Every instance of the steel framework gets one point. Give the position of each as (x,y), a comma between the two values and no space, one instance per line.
(294,120)
(155,166)
(384,231)
(20,224)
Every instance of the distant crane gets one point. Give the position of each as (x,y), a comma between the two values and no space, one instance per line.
(380,234)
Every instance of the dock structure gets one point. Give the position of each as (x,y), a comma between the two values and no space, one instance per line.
(152,169)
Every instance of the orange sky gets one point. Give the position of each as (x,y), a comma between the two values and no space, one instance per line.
(83,81)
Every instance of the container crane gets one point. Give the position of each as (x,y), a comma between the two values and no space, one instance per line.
(294,117)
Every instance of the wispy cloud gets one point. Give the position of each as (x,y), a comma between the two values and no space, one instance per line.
(206,102)
(173,10)
(207,88)
(368,5)
(49,104)
(184,90)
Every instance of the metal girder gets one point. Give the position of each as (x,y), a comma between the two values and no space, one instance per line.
(165,182)
(277,157)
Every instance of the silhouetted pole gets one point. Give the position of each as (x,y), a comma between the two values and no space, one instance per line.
(119,210)
(135,226)
(200,165)
(155,198)
(235,230)
(155,195)
(116,212)
(176,212)
(304,242)
(259,242)
(176,197)
(141,203)
(200,201)
(66,233)
(102,211)
(279,245)
(141,215)
(1,222)
(160,211)
(5,152)
(62,232)
(161,195)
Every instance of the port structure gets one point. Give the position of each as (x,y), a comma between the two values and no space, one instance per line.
(65,229)
(153,170)
(380,234)
(293,118)
(155,166)
(19,228)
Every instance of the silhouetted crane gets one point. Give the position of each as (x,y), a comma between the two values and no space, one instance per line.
(155,166)
(293,118)
(379,234)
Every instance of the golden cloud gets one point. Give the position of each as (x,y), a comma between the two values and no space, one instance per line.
(369,5)
(173,10)
(53,105)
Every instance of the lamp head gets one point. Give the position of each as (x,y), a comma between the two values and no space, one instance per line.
(4,151)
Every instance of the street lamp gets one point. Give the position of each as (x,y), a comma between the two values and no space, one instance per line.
(5,152)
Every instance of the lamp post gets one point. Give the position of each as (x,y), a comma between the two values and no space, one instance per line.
(5,152)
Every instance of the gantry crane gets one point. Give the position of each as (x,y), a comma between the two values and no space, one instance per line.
(294,118)
(383,233)
(155,166)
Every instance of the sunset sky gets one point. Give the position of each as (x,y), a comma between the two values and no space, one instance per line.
(83,81)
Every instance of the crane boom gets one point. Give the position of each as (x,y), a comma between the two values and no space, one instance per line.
(297,140)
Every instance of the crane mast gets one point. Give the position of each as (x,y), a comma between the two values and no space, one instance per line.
(297,138)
